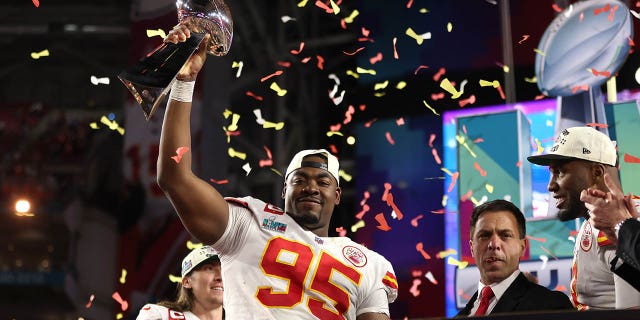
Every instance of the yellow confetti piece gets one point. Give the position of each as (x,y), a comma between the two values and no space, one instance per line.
(414,35)
(538,51)
(277,126)
(158,32)
(335,7)
(113,125)
(353,74)
(505,69)
(234,122)
(175,279)
(93,125)
(533,79)
(346,177)
(123,276)
(489,188)
(446,253)
(302,3)
(351,140)
(485,83)
(379,94)
(382,85)
(401,85)
(449,27)
(539,148)
(238,65)
(119,316)
(352,16)
(445,198)
(233,153)
(357,226)
(455,262)
(191,245)
(369,71)
(423,10)
(447,86)
(475,201)
(430,108)
(38,55)
(445,170)
(332,133)
(227,113)
(281,92)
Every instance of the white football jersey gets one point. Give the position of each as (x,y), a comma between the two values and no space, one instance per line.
(274,269)
(593,284)
(156,312)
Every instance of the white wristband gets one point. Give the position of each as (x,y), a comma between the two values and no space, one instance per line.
(182,90)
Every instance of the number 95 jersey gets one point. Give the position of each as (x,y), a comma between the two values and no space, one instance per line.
(274,269)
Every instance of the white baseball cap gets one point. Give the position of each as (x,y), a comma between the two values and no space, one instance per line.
(584,143)
(197,257)
(332,164)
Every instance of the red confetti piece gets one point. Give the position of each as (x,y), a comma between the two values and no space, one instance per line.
(454,178)
(518,164)
(253,95)
(439,211)
(321,5)
(437,96)
(432,137)
(179,153)
(277,73)
(409,4)
(466,196)
(436,157)
(439,74)
(224,181)
(333,148)
(36,3)
(285,64)
(305,60)
(600,73)
(573,233)
(414,221)
(631,159)
(400,122)
(389,138)
(420,248)
(387,188)
(296,52)
(347,115)
(414,288)
(597,125)
(370,122)
(395,51)
(583,87)
(88,305)
(524,38)
(470,100)
(377,58)
(265,163)
(560,287)
(605,8)
(320,64)
(384,226)
(394,207)
(548,252)
(631,43)
(478,140)
(543,240)
(556,8)
(341,231)
(482,171)
(362,107)
(420,68)
(335,127)
(365,209)
(365,32)
(268,152)
(463,295)
(124,305)
(353,53)
(499,88)
(539,97)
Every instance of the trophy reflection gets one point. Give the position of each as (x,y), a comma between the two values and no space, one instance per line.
(151,77)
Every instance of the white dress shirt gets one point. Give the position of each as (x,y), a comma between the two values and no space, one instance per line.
(498,289)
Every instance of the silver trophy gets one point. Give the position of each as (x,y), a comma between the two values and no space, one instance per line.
(150,79)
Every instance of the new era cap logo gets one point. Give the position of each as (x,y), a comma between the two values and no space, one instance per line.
(585,151)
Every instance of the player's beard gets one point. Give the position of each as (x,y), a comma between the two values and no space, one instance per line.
(575,209)
(306,218)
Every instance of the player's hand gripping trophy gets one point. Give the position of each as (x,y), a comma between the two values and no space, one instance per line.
(150,79)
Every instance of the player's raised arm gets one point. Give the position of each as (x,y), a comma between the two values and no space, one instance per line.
(202,209)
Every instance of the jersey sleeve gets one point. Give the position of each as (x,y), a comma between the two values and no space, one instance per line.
(625,294)
(383,291)
(151,312)
(234,236)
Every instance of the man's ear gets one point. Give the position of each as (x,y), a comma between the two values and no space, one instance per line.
(473,254)
(525,243)
(597,174)
(338,193)
(185,282)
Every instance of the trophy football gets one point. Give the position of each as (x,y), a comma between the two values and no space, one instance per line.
(151,77)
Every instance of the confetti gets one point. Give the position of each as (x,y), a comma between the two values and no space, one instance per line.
(537,239)
(281,92)
(400,122)
(352,16)
(630,158)
(418,37)
(321,5)
(277,126)
(538,51)
(489,188)
(247,168)
(440,73)
(431,278)
(157,32)
(179,153)
(597,125)
(604,8)
(414,288)
(395,211)
(447,86)
(470,100)
(485,83)
(353,74)
(395,51)
(596,73)
(277,73)
(353,53)
(533,79)
(320,63)
(224,181)
(91,298)
(454,178)
(420,68)
(382,222)
(460,264)
(238,65)
(544,261)
(347,115)
(362,70)
(113,125)
(96,81)
(253,95)
(233,153)
(357,226)
(449,27)
(524,38)
(380,86)
(414,221)
(401,85)
(175,279)
(296,52)
(583,87)
(36,3)
(445,253)
(123,276)
(38,55)
(375,59)
(341,231)
(437,96)
(346,177)
(302,3)
(436,157)
(124,305)
(286,19)
(389,138)
(482,171)
(409,4)
(420,248)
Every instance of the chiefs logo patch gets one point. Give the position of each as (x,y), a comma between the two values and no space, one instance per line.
(355,256)
(586,241)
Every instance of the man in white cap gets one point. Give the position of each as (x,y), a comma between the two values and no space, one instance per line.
(277,264)
(579,159)
(200,293)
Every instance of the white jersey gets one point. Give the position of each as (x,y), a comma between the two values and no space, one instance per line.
(593,284)
(274,269)
(156,312)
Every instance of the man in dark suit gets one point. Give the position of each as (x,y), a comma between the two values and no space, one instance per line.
(497,243)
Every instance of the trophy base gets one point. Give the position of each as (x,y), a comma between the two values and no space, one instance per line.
(150,78)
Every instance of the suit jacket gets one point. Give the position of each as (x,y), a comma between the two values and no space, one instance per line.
(523,295)
(629,250)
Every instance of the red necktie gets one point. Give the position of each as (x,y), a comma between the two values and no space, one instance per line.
(487,294)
